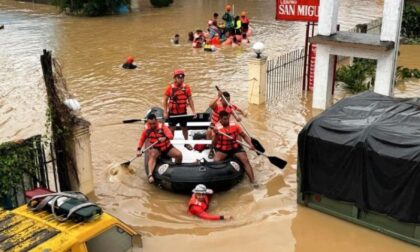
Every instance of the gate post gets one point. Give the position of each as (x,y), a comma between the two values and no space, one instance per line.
(81,152)
(257,80)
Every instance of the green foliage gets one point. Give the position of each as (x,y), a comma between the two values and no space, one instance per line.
(90,7)
(404,73)
(161,3)
(359,76)
(15,160)
(410,26)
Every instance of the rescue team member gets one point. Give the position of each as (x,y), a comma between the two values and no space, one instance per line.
(244,25)
(226,147)
(129,63)
(155,131)
(199,203)
(217,105)
(175,101)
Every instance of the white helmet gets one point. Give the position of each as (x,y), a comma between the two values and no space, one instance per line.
(200,188)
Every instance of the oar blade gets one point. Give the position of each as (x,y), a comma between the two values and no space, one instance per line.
(132,120)
(258,146)
(280,163)
(125,164)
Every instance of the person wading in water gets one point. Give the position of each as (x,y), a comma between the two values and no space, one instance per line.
(199,203)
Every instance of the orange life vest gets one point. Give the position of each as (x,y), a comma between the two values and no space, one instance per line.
(178,100)
(154,134)
(224,143)
(219,107)
(195,202)
(215,41)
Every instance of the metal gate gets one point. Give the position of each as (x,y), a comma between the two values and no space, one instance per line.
(285,75)
(43,172)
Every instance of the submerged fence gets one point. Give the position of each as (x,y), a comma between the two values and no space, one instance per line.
(285,73)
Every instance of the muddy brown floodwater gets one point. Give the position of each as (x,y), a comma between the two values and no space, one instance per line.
(92,50)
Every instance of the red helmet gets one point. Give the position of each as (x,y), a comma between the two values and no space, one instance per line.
(178,72)
(130,60)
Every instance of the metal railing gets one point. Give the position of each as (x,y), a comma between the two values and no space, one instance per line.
(285,75)
(43,176)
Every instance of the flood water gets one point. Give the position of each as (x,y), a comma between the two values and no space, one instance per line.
(91,51)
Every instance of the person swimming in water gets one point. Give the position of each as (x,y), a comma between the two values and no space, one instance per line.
(199,203)
(129,63)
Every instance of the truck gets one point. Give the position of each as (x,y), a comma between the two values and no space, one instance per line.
(53,228)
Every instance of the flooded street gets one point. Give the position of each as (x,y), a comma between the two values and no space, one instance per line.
(91,51)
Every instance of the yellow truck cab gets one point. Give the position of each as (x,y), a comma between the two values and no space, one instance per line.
(24,229)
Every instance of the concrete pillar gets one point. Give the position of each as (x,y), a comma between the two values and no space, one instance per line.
(82,156)
(134,5)
(324,72)
(257,80)
(385,74)
(390,31)
(324,62)
(328,15)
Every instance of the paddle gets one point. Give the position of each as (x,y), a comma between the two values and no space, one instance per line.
(280,163)
(254,141)
(134,120)
(126,164)
(143,120)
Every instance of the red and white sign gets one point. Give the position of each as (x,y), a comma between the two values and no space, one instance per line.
(311,75)
(297,10)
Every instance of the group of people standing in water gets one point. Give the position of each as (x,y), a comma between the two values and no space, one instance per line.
(232,31)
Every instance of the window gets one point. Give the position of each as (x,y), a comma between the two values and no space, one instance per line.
(112,240)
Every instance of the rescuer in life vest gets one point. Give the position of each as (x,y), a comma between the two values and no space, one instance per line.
(176,99)
(244,25)
(199,203)
(226,147)
(129,63)
(217,105)
(155,131)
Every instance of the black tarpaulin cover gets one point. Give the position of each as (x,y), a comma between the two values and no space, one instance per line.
(365,149)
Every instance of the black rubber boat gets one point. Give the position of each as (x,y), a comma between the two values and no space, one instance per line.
(196,167)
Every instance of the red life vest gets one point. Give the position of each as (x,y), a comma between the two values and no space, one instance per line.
(178,100)
(154,134)
(219,107)
(194,202)
(224,143)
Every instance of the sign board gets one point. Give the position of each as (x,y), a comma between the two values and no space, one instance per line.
(297,10)
(311,74)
